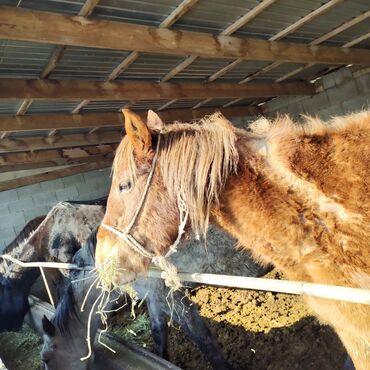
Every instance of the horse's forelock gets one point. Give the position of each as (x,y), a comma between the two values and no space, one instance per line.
(195,160)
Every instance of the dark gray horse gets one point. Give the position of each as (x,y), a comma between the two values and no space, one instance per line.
(65,335)
(55,237)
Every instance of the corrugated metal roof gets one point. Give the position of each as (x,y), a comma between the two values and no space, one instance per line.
(104,106)
(201,69)
(242,70)
(136,11)
(277,17)
(52,106)
(214,15)
(87,63)
(352,33)
(27,60)
(150,67)
(342,12)
(57,6)
(9,107)
(23,59)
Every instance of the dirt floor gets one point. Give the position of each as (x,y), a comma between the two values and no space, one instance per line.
(256,330)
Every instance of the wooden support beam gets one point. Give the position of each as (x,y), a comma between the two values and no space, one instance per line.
(58,53)
(224,70)
(304,20)
(201,103)
(290,29)
(38,122)
(80,106)
(328,36)
(48,164)
(53,61)
(242,21)
(52,175)
(352,22)
(166,105)
(10,145)
(180,67)
(50,158)
(356,41)
(132,90)
(24,106)
(31,25)
(57,121)
(88,8)
(179,11)
(131,58)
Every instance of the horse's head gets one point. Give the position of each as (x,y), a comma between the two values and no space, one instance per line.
(156,170)
(62,351)
(138,198)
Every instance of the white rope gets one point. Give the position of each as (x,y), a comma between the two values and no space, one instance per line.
(340,293)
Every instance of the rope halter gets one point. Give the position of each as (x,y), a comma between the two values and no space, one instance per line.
(169,271)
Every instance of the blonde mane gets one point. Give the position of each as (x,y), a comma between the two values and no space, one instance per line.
(195,161)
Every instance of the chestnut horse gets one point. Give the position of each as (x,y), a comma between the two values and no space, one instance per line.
(297,196)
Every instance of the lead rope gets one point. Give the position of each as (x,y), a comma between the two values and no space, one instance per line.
(169,271)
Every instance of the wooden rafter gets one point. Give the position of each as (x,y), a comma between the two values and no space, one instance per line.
(240,22)
(58,53)
(30,25)
(55,142)
(328,36)
(52,175)
(134,55)
(48,164)
(38,122)
(92,90)
(288,30)
(56,156)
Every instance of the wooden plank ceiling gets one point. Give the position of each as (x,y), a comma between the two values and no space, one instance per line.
(85,139)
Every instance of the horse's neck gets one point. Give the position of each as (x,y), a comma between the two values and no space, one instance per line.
(26,251)
(253,207)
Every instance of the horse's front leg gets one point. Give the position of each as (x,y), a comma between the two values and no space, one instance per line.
(158,320)
(186,314)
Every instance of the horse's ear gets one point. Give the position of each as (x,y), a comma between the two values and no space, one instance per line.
(154,122)
(48,327)
(138,132)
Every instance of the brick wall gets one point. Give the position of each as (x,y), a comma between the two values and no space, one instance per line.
(344,91)
(18,206)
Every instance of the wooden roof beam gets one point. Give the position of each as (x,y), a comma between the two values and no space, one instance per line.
(180,10)
(31,25)
(328,36)
(133,90)
(47,122)
(242,21)
(55,142)
(172,18)
(288,30)
(54,174)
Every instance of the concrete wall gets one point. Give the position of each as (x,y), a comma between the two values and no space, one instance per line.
(18,206)
(344,91)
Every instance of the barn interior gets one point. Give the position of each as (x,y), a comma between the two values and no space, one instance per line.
(68,68)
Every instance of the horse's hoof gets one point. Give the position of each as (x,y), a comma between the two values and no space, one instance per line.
(348,364)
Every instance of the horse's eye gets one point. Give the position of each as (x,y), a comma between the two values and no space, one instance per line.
(125,187)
